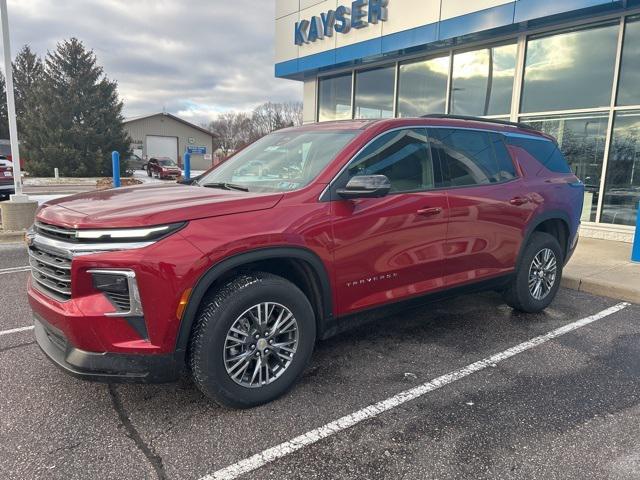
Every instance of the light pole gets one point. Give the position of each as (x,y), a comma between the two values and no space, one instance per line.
(11,106)
(17,214)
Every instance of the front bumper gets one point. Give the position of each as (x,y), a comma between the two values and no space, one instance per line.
(104,367)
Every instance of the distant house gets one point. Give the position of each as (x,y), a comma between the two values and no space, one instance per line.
(165,135)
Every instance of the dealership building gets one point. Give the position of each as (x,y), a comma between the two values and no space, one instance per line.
(568,67)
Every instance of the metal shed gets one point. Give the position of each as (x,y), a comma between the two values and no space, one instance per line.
(166,135)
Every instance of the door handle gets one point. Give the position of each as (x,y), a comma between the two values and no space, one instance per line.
(430,212)
(519,201)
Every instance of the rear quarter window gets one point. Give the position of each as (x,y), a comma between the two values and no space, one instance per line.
(544,151)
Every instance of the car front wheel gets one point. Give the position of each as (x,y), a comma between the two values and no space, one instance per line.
(252,340)
(538,275)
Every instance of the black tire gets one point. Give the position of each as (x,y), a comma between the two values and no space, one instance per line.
(518,294)
(219,311)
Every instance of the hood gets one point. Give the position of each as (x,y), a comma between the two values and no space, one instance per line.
(151,205)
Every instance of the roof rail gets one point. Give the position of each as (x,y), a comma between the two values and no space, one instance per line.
(523,126)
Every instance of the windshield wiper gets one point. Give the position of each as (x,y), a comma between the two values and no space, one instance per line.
(226,186)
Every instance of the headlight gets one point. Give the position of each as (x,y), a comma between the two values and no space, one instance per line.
(146,234)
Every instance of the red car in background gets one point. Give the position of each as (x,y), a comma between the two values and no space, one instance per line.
(163,168)
(6,177)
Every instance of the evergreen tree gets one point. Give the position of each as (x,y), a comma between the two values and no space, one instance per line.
(4,115)
(28,70)
(74,118)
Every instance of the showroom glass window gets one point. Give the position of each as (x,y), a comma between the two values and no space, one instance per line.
(422,87)
(334,101)
(622,190)
(629,89)
(403,156)
(483,81)
(374,93)
(570,70)
(582,140)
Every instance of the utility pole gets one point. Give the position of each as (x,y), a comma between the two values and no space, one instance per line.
(11,105)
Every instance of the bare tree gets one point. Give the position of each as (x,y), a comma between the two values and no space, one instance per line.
(293,112)
(235,130)
(270,117)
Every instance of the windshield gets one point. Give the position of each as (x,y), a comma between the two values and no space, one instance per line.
(167,163)
(280,162)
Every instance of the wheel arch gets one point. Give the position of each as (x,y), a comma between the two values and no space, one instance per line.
(307,267)
(556,223)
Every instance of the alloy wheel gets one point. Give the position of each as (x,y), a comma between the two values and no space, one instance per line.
(543,273)
(260,345)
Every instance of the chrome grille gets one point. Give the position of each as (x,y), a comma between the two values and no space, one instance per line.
(51,273)
(53,231)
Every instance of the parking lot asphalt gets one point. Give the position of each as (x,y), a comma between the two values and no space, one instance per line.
(565,407)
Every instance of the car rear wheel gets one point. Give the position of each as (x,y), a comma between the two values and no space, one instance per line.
(538,275)
(252,340)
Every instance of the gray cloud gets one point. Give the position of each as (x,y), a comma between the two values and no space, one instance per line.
(195,58)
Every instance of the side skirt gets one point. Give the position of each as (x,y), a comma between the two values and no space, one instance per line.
(363,317)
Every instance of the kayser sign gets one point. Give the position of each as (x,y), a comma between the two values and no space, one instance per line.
(341,20)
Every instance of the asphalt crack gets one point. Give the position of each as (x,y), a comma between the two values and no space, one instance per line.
(65,448)
(152,457)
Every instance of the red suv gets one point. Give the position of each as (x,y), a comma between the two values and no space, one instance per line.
(233,278)
(163,167)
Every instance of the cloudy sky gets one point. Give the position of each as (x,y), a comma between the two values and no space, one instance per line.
(195,58)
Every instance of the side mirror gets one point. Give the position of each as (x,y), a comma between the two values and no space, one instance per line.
(366,186)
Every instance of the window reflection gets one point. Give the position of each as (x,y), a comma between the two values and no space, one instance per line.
(483,81)
(403,156)
(570,70)
(335,98)
(582,141)
(422,87)
(622,191)
(629,91)
(374,93)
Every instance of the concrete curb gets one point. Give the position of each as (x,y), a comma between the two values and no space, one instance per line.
(12,237)
(602,288)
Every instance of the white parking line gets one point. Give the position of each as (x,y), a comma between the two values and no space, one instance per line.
(5,271)
(274,453)
(16,330)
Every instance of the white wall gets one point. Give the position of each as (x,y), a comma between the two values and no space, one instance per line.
(403,15)
(310,100)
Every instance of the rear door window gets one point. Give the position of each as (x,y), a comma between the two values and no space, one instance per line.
(471,157)
(506,167)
